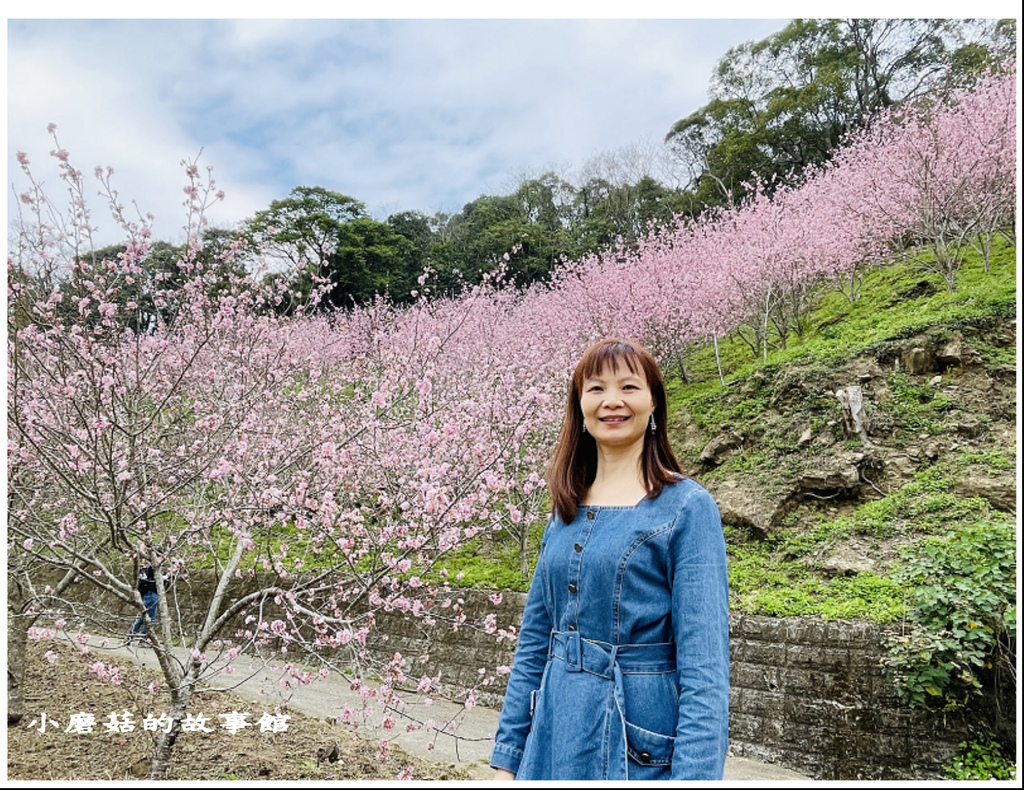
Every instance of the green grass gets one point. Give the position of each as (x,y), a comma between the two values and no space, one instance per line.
(992,462)
(925,506)
(762,581)
(489,563)
(773,472)
(468,569)
(917,408)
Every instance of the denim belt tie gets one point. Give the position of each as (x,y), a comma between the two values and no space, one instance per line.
(599,658)
(611,662)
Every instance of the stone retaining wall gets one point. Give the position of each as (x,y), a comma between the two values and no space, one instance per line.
(805,693)
(812,695)
(458,655)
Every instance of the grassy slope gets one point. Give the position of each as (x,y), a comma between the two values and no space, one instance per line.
(782,575)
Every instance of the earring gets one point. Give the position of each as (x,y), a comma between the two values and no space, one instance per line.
(584,427)
(654,425)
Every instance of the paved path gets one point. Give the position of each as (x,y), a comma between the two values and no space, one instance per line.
(324,698)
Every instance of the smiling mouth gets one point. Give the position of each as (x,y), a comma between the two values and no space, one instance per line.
(613,419)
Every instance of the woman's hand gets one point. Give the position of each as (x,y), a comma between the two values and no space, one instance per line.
(501,775)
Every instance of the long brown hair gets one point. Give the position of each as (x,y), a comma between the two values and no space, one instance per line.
(573,464)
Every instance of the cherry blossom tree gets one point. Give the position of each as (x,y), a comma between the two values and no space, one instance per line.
(307,475)
(939,175)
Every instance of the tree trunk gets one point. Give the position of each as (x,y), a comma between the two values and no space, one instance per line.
(17,642)
(524,566)
(19,619)
(984,246)
(679,359)
(180,697)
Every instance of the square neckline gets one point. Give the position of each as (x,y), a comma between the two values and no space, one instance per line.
(644,498)
(615,507)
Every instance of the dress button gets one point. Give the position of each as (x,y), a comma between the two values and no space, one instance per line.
(572,628)
(572,588)
(578,547)
(645,758)
(590,515)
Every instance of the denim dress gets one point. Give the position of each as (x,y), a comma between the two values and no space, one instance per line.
(622,666)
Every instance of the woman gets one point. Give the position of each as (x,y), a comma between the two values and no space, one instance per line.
(622,667)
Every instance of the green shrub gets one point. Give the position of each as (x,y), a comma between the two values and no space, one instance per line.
(961,617)
(980,760)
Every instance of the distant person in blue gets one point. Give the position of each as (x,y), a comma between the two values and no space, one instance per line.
(622,666)
(150,599)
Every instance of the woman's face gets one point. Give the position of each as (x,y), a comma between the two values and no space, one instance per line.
(617,406)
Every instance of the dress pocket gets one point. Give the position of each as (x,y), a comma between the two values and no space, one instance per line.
(652,701)
(648,748)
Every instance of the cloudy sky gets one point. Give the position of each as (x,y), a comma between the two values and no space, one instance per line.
(401,114)
(421,114)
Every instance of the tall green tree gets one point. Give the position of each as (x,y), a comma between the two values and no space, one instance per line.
(785,102)
(303,227)
(329,236)
(371,258)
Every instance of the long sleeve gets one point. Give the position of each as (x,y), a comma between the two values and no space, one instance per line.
(700,621)
(527,670)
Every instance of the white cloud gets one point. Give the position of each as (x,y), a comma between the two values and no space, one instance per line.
(423,114)
(109,112)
